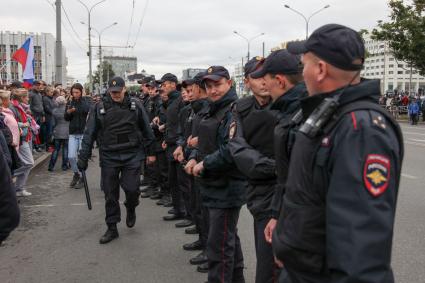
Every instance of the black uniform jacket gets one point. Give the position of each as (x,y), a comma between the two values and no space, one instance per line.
(337,219)
(127,157)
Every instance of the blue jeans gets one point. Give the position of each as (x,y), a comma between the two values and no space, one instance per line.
(74,145)
(60,143)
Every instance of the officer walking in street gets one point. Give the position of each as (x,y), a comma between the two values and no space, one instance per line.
(337,220)
(121,126)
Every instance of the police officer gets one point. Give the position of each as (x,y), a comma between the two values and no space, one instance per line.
(282,75)
(121,125)
(174,104)
(337,220)
(251,145)
(223,186)
(159,169)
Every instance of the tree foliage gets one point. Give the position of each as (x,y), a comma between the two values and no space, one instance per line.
(107,73)
(405,32)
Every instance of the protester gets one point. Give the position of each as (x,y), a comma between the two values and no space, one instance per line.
(60,134)
(413,110)
(37,109)
(27,126)
(76,114)
(48,105)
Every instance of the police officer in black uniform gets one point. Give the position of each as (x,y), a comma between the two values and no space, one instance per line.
(282,75)
(121,126)
(174,105)
(159,170)
(223,186)
(337,219)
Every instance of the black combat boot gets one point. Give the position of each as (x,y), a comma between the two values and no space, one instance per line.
(131,217)
(110,234)
(75,180)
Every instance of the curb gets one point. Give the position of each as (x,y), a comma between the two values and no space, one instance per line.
(39,161)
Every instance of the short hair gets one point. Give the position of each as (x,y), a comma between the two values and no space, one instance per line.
(295,78)
(4,94)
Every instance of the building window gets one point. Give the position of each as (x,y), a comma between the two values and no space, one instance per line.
(400,65)
(391,65)
(400,72)
(390,72)
(391,59)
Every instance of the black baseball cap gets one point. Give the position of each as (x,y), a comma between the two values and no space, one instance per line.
(252,65)
(279,62)
(152,83)
(336,44)
(146,80)
(169,77)
(116,84)
(197,79)
(216,73)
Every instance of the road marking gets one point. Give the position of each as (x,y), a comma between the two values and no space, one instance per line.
(415,143)
(414,133)
(58,205)
(415,140)
(409,176)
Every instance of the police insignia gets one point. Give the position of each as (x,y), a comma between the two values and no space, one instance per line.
(114,82)
(232,130)
(210,70)
(376,174)
(258,58)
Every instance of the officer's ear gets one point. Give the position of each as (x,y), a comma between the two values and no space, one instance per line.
(246,82)
(322,70)
(281,80)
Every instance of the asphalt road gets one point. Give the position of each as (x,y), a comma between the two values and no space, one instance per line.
(57,240)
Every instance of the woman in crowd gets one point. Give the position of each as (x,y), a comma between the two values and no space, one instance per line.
(60,134)
(76,113)
(27,126)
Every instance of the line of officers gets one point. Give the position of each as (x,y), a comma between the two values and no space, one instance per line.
(311,153)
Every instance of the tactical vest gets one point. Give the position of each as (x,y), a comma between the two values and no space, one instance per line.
(172,116)
(258,125)
(119,127)
(304,226)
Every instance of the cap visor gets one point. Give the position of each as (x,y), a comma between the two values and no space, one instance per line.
(297,47)
(115,88)
(258,74)
(212,78)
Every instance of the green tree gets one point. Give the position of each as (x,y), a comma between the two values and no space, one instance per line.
(107,73)
(405,32)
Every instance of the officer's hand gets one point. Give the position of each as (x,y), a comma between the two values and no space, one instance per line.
(150,160)
(155,120)
(189,166)
(197,170)
(82,164)
(164,145)
(161,128)
(178,154)
(193,142)
(278,262)
(268,232)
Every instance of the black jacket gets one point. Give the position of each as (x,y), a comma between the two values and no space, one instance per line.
(132,156)
(223,185)
(77,119)
(173,107)
(48,106)
(337,219)
(9,210)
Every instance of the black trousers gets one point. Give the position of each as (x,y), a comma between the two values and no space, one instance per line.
(201,216)
(225,258)
(266,270)
(185,185)
(161,171)
(112,179)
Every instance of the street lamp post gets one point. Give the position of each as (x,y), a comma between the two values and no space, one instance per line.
(100,50)
(306,19)
(248,40)
(89,10)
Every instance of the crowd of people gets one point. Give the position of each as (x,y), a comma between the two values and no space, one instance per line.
(412,104)
(311,153)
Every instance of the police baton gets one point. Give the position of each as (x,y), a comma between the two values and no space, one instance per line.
(86,189)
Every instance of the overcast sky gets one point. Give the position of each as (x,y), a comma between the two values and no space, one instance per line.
(178,34)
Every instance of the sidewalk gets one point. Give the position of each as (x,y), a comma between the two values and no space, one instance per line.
(40,157)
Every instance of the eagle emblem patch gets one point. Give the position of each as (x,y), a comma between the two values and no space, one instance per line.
(376,174)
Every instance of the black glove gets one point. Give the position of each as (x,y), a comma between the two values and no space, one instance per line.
(82,164)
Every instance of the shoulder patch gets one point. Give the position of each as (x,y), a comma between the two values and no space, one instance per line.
(376,174)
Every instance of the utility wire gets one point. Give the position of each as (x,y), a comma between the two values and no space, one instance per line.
(141,23)
(131,23)
(69,21)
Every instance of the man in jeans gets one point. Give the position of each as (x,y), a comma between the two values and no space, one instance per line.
(76,113)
